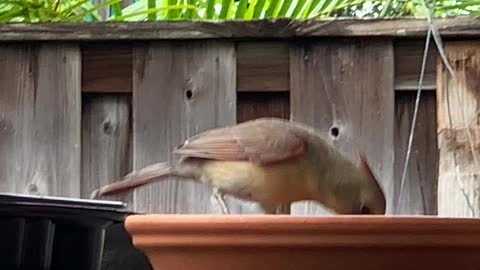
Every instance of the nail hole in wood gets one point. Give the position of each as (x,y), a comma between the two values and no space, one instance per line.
(188,94)
(334,131)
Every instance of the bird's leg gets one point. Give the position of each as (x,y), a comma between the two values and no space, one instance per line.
(269,208)
(219,196)
(283,209)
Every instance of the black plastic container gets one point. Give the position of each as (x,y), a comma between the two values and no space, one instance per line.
(53,233)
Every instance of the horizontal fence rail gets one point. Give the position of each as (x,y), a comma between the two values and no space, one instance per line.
(251,29)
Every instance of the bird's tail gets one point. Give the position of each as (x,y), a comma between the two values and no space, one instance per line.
(146,175)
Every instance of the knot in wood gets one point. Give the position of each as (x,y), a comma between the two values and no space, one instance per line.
(5,126)
(108,128)
(32,189)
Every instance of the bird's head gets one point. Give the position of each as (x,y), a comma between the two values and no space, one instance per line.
(372,199)
(359,192)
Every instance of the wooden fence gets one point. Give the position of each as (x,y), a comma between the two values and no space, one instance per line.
(83,104)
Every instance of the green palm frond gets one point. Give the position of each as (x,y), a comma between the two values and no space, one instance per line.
(142,10)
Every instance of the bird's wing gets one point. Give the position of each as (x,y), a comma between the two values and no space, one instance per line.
(261,142)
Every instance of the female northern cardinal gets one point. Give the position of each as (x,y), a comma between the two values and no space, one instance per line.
(270,161)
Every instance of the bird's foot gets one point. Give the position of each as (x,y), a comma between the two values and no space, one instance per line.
(269,208)
(283,209)
(94,194)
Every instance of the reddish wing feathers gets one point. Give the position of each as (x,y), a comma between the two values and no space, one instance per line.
(258,142)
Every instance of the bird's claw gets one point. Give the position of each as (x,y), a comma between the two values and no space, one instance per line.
(94,194)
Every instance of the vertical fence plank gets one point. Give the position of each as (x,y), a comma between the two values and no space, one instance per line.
(408,64)
(97,72)
(263,66)
(457,113)
(347,86)
(419,194)
(106,142)
(40,119)
(179,89)
(17,59)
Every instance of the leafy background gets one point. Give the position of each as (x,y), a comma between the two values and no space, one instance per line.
(31,11)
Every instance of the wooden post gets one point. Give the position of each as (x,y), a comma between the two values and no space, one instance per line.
(458,123)
(106,142)
(419,194)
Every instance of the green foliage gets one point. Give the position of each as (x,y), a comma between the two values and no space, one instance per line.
(31,11)
(397,8)
(84,10)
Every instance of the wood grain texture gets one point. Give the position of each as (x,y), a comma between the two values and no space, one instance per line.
(278,28)
(347,85)
(457,118)
(165,75)
(263,66)
(419,194)
(106,142)
(40,119)
(252,105)
(106,67)
(408,63)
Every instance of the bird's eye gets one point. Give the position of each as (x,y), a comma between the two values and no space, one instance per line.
(365,210)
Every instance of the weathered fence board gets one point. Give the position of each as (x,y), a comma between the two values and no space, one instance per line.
(180,89)
(263,66)
(419,194)
(408,62)
(457,123)
(106,142)
(40,119)
(261,29)
(251,105)
(106,67)
(345,89)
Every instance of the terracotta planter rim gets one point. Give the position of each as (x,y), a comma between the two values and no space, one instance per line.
(157,230)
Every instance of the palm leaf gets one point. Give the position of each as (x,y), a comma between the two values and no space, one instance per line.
(251,7)
(91,10)
(11,15)
(241,9)
(259,7)
(272,8)
(286,5)
(155,10)
(298,8)
(225,7)
(210,9)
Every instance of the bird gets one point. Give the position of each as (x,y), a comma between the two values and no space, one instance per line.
(270,161)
